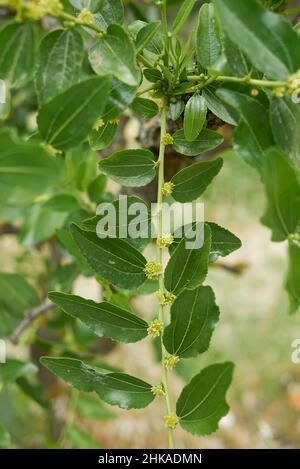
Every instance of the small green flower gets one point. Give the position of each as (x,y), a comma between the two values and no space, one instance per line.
(165,299)
(294,237)
(158,390)
(98,124)
(171,421)
(165,240)
(171,361)
(53,7)
(167,188)
(153,270)
(168,139)
(33,11)
(51,150)
(69,24)
(294,82)
(155,328)
(279,91)
(86,16)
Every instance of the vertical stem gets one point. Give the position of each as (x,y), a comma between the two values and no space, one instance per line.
(164,19)
(160,260)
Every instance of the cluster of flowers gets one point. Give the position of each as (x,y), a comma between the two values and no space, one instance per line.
(37,9)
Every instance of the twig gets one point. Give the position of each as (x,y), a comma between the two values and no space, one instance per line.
(237,269)
(31,316)
(146,90)
(8,228)
(232,79)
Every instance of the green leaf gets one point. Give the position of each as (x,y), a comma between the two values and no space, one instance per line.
(206,140)
(124,390)
(61,203)
(208,46)
(293,278)
(194,117)
(16,296)
(194,316)
(114,54)
(152,74)
(155,45)
(103,137)
(217,107)
(5,101)
(74,372)
(18,51)
(285,122)
(182,15)
(113,259)
(79,439)
(283,195)
(92,5)
(236,59)
(146,35)
(114,388)
(202,402)
(144,108)
(14,369)
(40,224)
(253,136)
(220,67)
(36,392)
(104,319)
(267,39)
(131,168)
(105,12)
(5,440)
(176,109)
(191,182)
(127,214)
(89,407)
(59,64)
(81,167)
(68,242)
(67,119)
(26,169)
(63,277)
(187,268)
(97,187)
(223,242)
(109,12)
(120,98)
(249,146)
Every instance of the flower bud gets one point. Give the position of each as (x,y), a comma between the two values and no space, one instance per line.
(165,240)
(155,328)
(153,270)
(86,16)
(167,188)
(171,361)
(171,421)
(166,299)
(98,124)
(158,390)
(168,139)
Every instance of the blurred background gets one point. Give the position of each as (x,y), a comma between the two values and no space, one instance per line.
(255,331)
